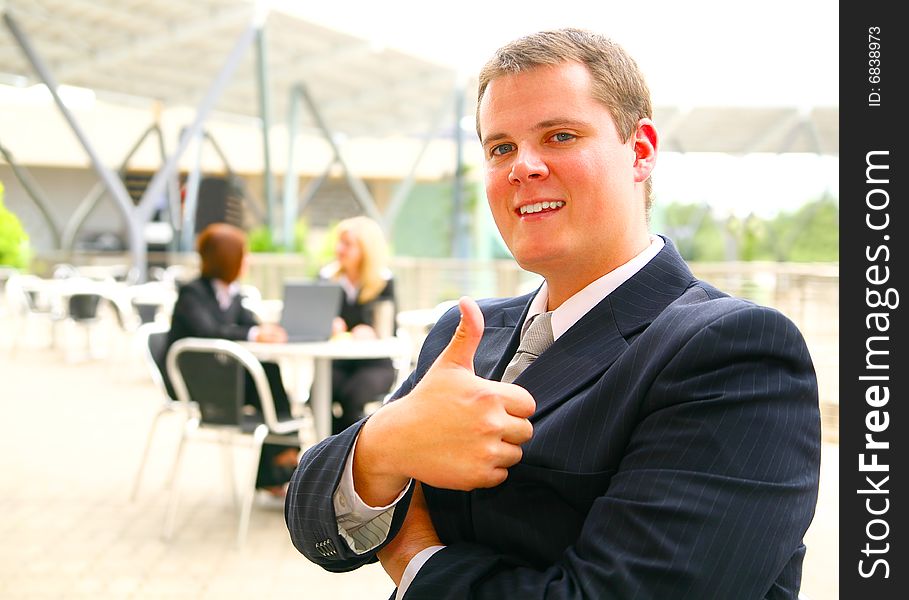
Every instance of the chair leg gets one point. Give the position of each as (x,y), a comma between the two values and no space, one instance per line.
(308,434)
(148,444)
(227,452)
(21,331)
(250,492)
(170,517)
(55,333)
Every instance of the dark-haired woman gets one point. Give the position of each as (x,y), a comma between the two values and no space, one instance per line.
(211,307)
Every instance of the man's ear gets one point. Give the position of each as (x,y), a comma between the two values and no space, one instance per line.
(645,141)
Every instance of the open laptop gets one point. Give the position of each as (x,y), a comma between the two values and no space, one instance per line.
(309,309)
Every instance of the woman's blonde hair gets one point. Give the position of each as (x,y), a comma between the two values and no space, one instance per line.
(374,266)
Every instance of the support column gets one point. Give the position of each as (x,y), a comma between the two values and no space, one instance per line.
(155,190)
(359,189)
(90,201)
(265,115)
(459,218)
(404,188)
(291,177)
(34,192)
(191,200)
(113,183)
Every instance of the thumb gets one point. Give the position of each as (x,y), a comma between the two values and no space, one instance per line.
(466,338)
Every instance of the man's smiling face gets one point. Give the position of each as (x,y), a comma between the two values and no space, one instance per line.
(561,184)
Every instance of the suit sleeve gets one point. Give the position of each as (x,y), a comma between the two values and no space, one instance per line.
(198,316)
(309,511)
(247,318)
(714,492)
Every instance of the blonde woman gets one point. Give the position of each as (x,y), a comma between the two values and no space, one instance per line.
(367,312)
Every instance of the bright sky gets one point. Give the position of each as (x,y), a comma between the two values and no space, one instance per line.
(780,52)
(693,52)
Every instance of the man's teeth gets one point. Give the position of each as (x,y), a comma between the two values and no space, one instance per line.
(539,206)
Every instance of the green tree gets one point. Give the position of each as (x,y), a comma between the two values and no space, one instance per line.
(694,229)
(14,243)
(752,236)
(809,234)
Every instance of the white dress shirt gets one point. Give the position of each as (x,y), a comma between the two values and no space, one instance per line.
(350,509)
(225,294)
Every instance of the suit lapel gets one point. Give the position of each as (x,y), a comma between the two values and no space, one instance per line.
(592,344)
(224,315)
(641,299)
(582,353)
(500,340)
(209,286)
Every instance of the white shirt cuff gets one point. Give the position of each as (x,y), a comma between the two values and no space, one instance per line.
(413,567)
(353,513)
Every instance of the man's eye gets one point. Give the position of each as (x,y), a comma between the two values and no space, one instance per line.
(501,149)
(563,136)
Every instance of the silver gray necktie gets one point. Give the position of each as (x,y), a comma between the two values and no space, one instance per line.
(534,342)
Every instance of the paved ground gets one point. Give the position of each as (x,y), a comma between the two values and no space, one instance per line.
(71,435)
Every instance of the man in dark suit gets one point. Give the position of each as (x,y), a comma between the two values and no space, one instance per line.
(665,441)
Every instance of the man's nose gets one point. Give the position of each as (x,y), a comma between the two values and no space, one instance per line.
(528,165)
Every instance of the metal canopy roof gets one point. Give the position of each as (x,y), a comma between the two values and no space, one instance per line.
(171,51)
(743,130)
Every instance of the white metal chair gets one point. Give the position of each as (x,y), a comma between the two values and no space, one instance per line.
(86,302)
(6,273)
(151,301)
(31,298)
(211,374)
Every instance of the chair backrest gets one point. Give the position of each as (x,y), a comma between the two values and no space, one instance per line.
(216,383)
(83,306)
(154,345)
(212,374)
(146,312)
(27,294)
(147,300)
(6,274)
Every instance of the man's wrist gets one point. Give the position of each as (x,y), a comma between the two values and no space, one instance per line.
(376,480)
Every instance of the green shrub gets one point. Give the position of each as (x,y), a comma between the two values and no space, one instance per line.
(260,239)
(14,246)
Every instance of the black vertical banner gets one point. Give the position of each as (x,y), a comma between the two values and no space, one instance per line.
(874,368)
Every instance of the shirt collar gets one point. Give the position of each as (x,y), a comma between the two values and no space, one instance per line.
(350,290)
(225,292)
(571,311)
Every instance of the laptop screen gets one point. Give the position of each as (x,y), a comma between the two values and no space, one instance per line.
(309,309)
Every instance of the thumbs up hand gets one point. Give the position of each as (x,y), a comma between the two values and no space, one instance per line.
(463,345)
(454,430)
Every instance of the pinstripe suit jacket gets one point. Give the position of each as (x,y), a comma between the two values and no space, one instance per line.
(675,454)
